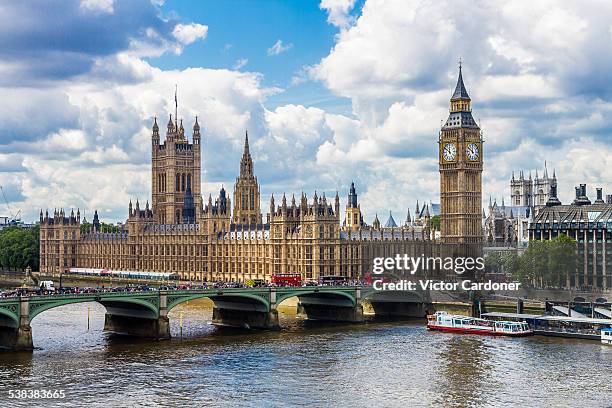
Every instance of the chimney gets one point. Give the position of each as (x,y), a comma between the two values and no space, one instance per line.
(553,200)
(599,196)
(581,197)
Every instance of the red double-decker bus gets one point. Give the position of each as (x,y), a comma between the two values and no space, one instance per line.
(287,279)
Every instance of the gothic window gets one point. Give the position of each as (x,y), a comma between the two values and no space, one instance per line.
(189,181)
(177,183)
(183,182)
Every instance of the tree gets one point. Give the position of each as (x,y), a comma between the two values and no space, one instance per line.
(19,248)
(562,259)
(547,263)
(434,222)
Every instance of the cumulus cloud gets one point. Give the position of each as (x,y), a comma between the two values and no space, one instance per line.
(76,124)
(189,33)
(338,12)
(540,83)
(61,40)
(279,48)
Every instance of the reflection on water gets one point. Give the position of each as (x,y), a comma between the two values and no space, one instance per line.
(376,364)
(464,371)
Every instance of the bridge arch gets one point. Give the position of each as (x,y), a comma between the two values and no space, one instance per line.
(281,297)
(38,307)
(9,315)
(175,300)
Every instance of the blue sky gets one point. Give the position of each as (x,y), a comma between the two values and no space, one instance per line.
(245,30)
(331,91)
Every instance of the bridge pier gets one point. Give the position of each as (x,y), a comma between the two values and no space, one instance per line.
(351,314)
(402,309)
(246,319)
(138,327)
(18,338)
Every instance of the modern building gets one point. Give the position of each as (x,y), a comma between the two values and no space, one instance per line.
(590,224)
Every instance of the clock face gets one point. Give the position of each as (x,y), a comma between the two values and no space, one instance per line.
(472,152)
(450,152)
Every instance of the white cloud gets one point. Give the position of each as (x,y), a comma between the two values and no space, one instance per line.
(541,88)
(338,12)
(104,6)
(189,33)
(240,63)
(279,48)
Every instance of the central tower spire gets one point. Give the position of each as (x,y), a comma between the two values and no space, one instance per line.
(246,190)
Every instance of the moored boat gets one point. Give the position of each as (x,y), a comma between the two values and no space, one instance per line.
(606,336)
(442,321)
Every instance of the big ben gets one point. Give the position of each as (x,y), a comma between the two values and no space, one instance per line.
(460,163)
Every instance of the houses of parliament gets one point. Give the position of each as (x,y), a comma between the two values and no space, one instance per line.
(227,238)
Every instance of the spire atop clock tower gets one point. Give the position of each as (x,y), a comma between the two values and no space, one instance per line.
(460,107)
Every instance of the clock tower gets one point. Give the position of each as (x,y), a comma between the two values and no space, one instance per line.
(460,163)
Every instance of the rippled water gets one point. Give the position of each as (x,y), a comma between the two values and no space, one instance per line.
(372,365)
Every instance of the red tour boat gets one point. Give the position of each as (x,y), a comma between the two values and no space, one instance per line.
(442,321)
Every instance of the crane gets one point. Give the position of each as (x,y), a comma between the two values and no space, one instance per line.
(14,217)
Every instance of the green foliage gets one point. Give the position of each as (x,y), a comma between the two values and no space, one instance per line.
(501,262)
(434,222)
(547,263)
(19,248)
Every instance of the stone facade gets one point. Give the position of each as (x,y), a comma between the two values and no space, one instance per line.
(210,242)
(461,164)
(531,192)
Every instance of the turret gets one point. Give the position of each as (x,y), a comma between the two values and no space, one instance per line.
(170,125)
(155,133)
(284,205)
(196,132)
(376,222)
(337,204)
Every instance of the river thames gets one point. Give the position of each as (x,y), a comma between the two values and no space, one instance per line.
(392,364)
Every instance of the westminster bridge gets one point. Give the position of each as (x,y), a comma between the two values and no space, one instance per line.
(145,313)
